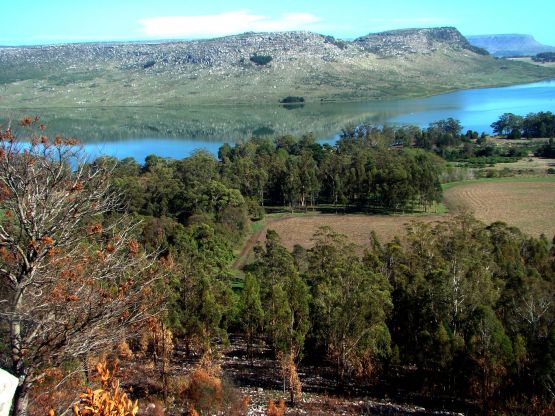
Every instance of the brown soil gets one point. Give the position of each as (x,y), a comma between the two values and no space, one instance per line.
(529,206)
(299,229)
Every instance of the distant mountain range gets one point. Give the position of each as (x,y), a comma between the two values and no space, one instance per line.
(510,45)
(253,68)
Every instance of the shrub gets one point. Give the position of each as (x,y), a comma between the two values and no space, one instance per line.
(261,59)
(255,210)
(341,44)
(274,410)
(110,400)
(292,99)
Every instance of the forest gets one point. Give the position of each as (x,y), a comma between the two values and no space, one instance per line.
(104,261)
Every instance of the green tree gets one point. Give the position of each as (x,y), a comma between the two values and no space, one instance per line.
(350,305)
(507,124)
(491,350)
(252,314)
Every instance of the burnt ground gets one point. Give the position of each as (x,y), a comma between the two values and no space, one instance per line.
(324,395)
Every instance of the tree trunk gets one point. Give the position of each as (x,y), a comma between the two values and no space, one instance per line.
(21,400)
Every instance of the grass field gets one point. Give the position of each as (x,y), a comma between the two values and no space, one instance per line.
(529,60)
(528,164)
(357,227)
(527,203)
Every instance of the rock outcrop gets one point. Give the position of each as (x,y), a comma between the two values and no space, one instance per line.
(415,41)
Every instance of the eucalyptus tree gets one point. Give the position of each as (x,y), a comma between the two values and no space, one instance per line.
(350,305)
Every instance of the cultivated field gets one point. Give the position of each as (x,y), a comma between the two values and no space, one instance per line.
(528,204)
(357,227)
(528,164)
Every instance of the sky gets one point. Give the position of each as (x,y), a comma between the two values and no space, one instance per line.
(33,22)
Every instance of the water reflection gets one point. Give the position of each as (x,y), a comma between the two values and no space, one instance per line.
(177,131)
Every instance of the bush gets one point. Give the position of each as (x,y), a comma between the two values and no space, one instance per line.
(261,59)
(255,210)
(209,394)
(341,44)
(292,99)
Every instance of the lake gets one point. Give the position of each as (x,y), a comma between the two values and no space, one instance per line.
(178,131)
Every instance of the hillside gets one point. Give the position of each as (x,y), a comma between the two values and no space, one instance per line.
(252,68)
(510,45)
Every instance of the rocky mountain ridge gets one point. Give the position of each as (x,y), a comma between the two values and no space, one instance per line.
(231,53)
(250,68)
(416,41)
(238,49)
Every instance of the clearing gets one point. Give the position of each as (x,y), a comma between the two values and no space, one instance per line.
(531,164)
(525,202)
(299,229)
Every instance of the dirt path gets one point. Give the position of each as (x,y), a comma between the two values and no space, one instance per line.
(253,239)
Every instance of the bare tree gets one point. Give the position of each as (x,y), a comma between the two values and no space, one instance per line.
(70,283)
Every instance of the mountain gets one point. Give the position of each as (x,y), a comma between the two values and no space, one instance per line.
(416,41)
(252,68)
(510,45)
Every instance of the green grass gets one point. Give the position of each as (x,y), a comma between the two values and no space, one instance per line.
(257,226)
(449,185)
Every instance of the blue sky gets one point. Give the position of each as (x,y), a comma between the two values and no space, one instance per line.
(61,21)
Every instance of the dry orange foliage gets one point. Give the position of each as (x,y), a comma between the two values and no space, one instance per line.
(274,410)
(205,390)
(109,400)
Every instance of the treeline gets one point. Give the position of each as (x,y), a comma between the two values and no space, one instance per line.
(461,309)
(533,125)
(291,172)
(544,57)
(445,138)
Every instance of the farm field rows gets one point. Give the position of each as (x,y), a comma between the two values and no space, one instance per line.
(527,203)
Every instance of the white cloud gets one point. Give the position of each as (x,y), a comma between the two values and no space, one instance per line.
(223,24)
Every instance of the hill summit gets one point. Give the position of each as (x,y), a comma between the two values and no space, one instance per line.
(416,41)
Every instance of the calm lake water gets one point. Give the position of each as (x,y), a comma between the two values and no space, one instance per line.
(178,131)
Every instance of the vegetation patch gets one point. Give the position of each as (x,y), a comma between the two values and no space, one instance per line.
(292,99)
(261,59)
(544,57)
(341,44)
